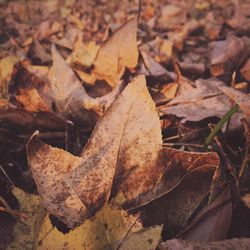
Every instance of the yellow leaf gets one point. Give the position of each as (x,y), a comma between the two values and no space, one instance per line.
(105,231)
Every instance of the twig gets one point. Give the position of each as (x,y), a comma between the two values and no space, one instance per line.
(183,144)
(246,158)
(7,176)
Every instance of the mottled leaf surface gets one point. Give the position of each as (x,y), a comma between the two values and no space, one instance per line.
(105,231)
(25,231)
(181,189)
(123,149)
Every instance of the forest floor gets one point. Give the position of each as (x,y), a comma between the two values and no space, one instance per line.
(149,104)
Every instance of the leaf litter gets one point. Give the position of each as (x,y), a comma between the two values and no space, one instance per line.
(119,187)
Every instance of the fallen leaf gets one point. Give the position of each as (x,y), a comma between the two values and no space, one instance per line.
(69,95)
(145,239)
(116,54)
(243,100)
(154,69)
(105,231)
(83,53)
(170,90)
(6,69)
(180,190)
(245,70)
(206,100)
(213,222)
(31,100)
(26,232)
(22,119)
(172,17)
(241,244)
(228,55)
(38,55)
(246,200)
(82,185)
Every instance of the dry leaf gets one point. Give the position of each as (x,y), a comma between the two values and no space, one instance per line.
(105,231)
(38,54)
(154,69)
(22,119)
(246,200)
(185,183)
(116,54)
(6,69)
(206,100)
(170,90)
(83,53)
(130,146)
(228,55)
(213,222)
(26,232)
(245,70)
(31,100)
(243,100)
(172,17)
(241,244)
(70,97)
(145,239)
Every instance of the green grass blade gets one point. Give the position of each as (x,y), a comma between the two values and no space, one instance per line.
(219,125)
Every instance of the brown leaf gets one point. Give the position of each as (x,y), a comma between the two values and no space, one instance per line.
(243,100)
(213,222)
(31,100)
(181,189)
(172,17)
(117,53)
(154,69)
(241,244)
(123,146)
(22,119)
(245,70)
(246,200)
(228,55)
(38,54)
(70,97)
(206,100)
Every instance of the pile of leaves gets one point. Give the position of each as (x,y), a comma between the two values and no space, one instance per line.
(124,125)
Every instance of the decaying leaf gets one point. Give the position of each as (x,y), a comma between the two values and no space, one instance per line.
(241,244)
(213,222)
(185,183)
(145,239)
(68,93)
(245,70)
(172,17)
(123,149)
(83,54)
(25,232)
(246,200)
(31,100)
(105,231)
(228,55)
(6,69)
(206,100)
(154,69)
(117,53)
(243,100)
(22,119)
